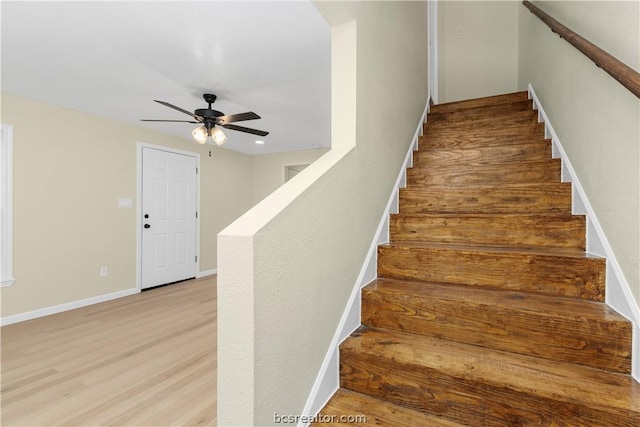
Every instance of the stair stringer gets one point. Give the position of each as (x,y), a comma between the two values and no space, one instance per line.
(328,379)
(618,293)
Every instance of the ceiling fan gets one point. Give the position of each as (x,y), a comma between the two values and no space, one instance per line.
(210,118)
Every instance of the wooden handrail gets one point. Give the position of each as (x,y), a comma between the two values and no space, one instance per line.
(624,74)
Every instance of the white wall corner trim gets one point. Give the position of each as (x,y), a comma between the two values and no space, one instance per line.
(8,320)
(327,380)
(6,212)
(618,293)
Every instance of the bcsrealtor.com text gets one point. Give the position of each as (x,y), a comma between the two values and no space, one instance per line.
(319,419)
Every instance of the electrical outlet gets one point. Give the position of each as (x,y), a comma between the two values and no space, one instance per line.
(104,272)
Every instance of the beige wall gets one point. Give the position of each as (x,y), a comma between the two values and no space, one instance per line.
(287,267)
(269,169)
(478,48)
(596,119)
(70,168)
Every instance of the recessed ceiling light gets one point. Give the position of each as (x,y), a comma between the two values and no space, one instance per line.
(259,142)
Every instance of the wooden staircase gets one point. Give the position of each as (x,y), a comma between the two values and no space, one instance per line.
(487,310)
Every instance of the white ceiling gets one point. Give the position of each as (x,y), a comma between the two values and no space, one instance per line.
(113,59)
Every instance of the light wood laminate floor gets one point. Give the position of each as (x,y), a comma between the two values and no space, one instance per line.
(144,360)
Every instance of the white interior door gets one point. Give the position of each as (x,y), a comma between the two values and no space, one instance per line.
(169,216)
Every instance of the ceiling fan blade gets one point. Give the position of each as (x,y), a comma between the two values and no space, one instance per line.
(237,117)
(247,130)
(182,110)
(176,121)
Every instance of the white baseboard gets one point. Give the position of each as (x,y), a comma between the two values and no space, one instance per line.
(207,273)
(328,378)
(8,320)
(8,282)
(618,293)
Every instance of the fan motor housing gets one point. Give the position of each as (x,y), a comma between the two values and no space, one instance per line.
(207,113)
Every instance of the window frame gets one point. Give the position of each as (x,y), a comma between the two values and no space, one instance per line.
(6,212)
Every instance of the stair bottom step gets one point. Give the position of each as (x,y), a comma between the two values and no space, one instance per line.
(478,386)
(350,407)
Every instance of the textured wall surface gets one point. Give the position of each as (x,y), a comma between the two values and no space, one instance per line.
(478,48)
(596,119)
(299,251)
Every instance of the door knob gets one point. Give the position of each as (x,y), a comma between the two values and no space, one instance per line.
(147,226)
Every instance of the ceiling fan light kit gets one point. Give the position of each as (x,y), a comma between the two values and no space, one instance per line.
(218,136)
(202,135)
(209,118)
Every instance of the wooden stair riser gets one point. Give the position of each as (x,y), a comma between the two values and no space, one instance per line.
(483,129)
(577,277)
(539,150)
(524,119)
(551,231)
(376,411)
(535,199)
(466,400)
(480,102)
(585,333)
(548,171)
(464,141)
(496,112)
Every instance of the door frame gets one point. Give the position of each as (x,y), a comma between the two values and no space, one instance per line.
(6,199)
(433,50)
(139,148)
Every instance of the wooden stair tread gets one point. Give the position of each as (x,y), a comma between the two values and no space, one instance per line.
(565,272)
(377,412)
(489,166)
(480,102)
(509,371)
(471,129)
(585,332)
(498,112)
(540,197)
(427,145)
(486,173)
(515,216)
(520,187)
(509,251)
(544,305)
(470,139)
(460,121)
